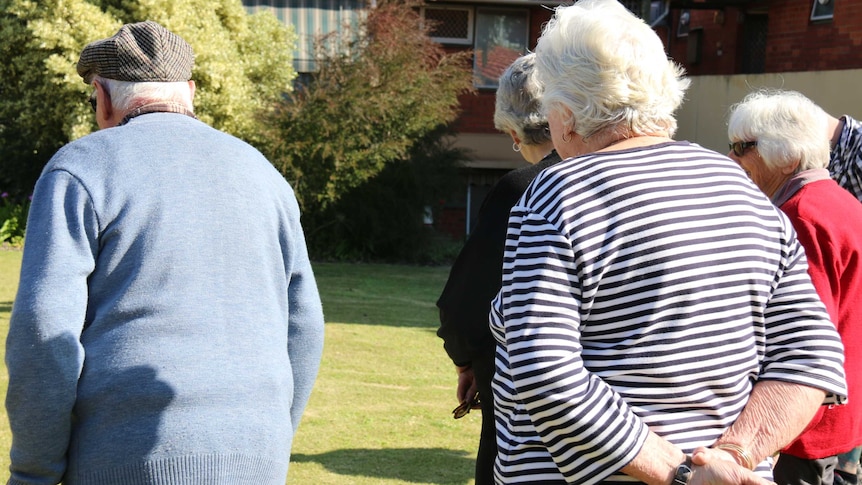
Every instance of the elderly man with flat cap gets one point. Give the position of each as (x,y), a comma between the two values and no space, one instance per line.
(167,327)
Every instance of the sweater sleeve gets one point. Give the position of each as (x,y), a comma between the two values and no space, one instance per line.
(305,321)
(823,267)
(474,279)
(44,356)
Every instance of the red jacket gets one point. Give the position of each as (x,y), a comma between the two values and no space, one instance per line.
(828,221)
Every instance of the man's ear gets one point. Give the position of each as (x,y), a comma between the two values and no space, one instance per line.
(104,108)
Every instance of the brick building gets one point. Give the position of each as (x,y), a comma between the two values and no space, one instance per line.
(757,36)
(497,32)
(708,37)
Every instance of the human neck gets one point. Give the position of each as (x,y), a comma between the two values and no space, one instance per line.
(636,141)
(534,154)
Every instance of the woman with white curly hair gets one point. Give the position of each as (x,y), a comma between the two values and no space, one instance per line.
(653,299)
(777,138)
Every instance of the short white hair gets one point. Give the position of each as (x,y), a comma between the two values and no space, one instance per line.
(126,96)
(787,126)
(601,67)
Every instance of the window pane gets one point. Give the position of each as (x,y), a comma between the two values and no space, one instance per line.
(448,23)
(501,37)
(822,9)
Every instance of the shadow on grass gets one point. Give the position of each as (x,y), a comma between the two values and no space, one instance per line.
(380,294)
(5,306)
(414,465)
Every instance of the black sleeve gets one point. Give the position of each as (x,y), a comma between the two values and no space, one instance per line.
(475,277)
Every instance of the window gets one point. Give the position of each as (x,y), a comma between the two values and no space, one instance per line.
(449,24)
(754,39)
(822,9)
(658,12)
(684,25)
(501,37)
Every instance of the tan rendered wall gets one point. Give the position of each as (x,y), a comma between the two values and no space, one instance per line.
(703,116)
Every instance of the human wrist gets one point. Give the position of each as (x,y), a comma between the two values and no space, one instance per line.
(742,457)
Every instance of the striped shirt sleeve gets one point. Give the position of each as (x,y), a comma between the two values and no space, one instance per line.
(845,165)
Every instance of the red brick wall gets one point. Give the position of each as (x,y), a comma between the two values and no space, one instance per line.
(794,43)
(452,221)
(719,42)
(477,112)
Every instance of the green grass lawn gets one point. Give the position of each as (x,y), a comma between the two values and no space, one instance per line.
(380,412)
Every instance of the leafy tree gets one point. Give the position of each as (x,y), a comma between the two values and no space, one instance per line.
(367,106)
(382,218)
(242,67)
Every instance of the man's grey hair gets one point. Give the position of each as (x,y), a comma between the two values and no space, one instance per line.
(126,96)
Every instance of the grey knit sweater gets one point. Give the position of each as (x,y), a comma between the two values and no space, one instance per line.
(167,327)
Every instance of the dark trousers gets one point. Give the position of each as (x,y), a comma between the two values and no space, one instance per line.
(791,470)
(483,370)
(846,472)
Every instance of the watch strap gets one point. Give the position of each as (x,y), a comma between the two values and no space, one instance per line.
(683,472)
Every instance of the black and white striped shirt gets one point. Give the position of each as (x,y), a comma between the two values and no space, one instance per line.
(645,289)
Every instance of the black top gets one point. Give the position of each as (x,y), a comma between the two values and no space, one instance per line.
(474,279)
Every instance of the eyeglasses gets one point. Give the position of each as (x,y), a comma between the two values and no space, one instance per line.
(738,148)
(93,101)
(465,407)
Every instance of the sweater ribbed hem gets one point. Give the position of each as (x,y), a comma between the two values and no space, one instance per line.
(188,470)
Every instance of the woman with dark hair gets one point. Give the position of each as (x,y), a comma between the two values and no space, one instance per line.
(475,277)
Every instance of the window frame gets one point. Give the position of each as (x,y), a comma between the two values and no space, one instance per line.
(471,19)
(822,16)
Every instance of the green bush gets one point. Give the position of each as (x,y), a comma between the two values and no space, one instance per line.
(382,219)
(243,66)
(13,220)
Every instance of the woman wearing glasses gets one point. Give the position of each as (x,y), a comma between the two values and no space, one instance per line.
(655,323)
(777,138)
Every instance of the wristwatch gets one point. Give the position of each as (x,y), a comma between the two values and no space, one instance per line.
(683,472)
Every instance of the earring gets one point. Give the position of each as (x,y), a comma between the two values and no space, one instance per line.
(516,147)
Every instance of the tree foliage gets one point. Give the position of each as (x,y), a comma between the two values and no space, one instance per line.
(382,218)
(242,67)
(367,106)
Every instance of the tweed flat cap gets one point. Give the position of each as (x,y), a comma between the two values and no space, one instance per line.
(140,52)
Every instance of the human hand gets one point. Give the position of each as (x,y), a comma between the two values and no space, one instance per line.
(467,386)
(718,467)
(703,456)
